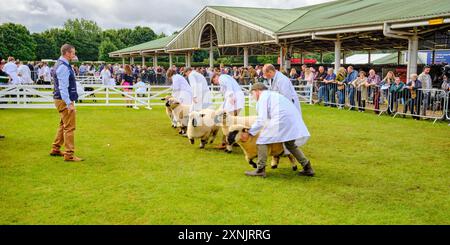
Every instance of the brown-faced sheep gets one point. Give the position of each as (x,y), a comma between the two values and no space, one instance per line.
(251,151)
(201,125)
(226,120)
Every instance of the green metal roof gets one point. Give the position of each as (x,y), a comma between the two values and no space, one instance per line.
(363,12)
(152,45)
(268,18)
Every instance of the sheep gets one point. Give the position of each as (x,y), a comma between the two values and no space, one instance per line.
(250,149)
(180,114)
(201,125)
(169,111)
(226,120)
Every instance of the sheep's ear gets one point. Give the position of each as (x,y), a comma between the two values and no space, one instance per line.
(202,115)
(163,99)
(245,130)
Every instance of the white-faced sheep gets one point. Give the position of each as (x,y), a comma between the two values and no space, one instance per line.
(251,151)
(180,114)
(169,111)
(226,120)
(201,126)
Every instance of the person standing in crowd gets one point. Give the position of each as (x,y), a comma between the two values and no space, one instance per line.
(83,69)
(352,75)
(293,75)
(341,87)
(234,98)
(47,74)
(65,95)
(11,69)
(24,73)
(396,91)
(412,96)
(385,85)
(281,84)
(320,76)
(446,87)
(278,121)
(374,82)
(330,81)
(361,85)
(31,66)
(427,83)
(201,95)
(127,84)
(309,76)
(181,90)
(106,75)
(302,73)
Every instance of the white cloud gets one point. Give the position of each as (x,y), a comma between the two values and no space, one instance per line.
(162,16)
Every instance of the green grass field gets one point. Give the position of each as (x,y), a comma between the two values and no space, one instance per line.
(370,170)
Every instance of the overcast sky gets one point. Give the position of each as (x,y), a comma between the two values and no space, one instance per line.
(161,15)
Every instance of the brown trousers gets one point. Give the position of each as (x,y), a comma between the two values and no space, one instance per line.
(66,130)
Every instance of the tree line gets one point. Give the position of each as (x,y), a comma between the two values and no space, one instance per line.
(92,43)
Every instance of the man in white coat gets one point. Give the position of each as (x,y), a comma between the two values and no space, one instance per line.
(11,69)
(181,90)
(281,84)
(234,98)
(201,95)
(278,121)
(24,74)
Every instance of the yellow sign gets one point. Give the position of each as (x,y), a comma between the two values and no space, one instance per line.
(436,21)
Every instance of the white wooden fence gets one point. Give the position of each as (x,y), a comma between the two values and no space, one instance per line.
(98,95)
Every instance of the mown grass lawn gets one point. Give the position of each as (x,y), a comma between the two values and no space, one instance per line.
(370,170)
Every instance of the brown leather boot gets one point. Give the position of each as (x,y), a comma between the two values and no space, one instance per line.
(55,153)
(256,173)
(72,159)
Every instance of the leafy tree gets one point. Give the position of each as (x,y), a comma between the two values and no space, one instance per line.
(16,40)
(46,47)
(105,48)
(86,37)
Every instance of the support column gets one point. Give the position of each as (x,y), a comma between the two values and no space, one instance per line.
(131,60)
(337,55)
(155,60)
(369,59)
(413,45)
(281,59)
(399,57)
(211,50)
(170,60)
(246,57)
(302,58)
(123,61)
(433,59)
(143,60)
(321,57)
(188,59)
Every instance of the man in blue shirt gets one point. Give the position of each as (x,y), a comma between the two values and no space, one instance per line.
(65,94)
(352,75)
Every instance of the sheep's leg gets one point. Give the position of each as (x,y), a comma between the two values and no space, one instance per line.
(213,136)
(251,162)
(293,162)
(275,162)
(192,141)
(203,144)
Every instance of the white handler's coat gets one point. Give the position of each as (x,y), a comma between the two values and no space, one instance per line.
(200,90)
(181,90)
(11,69)
(278,120)
(234,98)
(25,74)
(283,85)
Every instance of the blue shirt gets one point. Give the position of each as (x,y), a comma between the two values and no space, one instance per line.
(351,77)
(330,77)
(63,73)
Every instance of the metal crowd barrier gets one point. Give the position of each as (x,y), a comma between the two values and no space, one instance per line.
(447,106)
(419,103)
